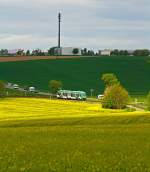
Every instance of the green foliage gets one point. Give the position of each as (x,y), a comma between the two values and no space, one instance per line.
(20,52)
(90,53)
(138,52)
(144,52)
(115,97)
(148,101)
(51,51)
(75,51)
(2,85)
(120,52)
(55,86)
(123,53)
(28,53)
(109,79)
(3,52)
(2,89)
(84,52)
(115,52)
(38,52)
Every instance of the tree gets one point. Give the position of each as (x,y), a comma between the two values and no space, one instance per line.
(55,85)
(115,97)
(144,52)
(84,52)
(75,51)
(90,53)
(2,89)
(3,52)
(123,53)
(148,101)
(110,79)
(51,51)
(126,53)
(115,52)
(20,52)
(37,52)
(28,53)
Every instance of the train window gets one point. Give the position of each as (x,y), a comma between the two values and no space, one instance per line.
(77,95)
(72,95)
(64,94)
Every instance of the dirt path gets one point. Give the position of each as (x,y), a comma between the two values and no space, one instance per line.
(26,58)
(136,108)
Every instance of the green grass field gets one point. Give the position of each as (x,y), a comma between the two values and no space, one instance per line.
(58,136)
(81,74)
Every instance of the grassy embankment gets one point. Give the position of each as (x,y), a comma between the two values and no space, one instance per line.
(43,135)
(81,74)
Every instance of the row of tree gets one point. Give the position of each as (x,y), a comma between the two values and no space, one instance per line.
(117,52)
(139,52)
(85,52)
(36,52)
(4,52)
(20,52)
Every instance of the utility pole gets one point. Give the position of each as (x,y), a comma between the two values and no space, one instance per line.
(91,90)
(59,22)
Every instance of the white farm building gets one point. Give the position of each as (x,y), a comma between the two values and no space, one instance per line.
(68,51)
(105,52)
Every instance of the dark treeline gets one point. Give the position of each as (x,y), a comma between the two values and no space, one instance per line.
(141,53)
(85,52)
(36,52)
(4,52)
(117,52)
(138,52)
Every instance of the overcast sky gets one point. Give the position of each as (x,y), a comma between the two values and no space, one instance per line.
(97,24)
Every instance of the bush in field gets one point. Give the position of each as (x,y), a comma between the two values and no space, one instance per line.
(55,85)
(141,52)
(28,53)
(148,101)
(75,51)
(2,89)
(115,97)
(51,51)
(110,79)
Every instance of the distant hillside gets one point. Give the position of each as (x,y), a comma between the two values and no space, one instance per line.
(80,74)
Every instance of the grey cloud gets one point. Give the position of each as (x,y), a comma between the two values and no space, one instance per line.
(87,23)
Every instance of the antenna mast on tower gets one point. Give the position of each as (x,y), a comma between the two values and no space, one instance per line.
(59,22)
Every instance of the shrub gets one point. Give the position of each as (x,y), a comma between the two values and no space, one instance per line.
(115,97)
(109,79)
(75,51)
(2,89)
(55,85)
(148,101)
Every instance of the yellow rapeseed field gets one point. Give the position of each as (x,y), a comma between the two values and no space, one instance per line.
(44,135)
(31,108)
